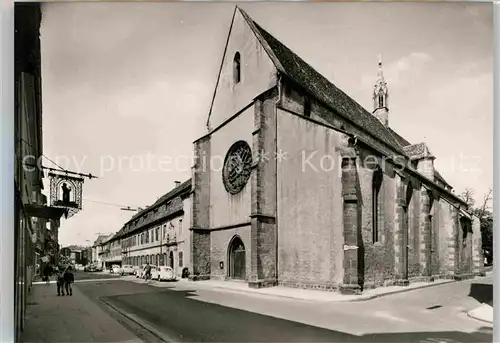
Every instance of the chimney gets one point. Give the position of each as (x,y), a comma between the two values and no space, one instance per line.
(177,183)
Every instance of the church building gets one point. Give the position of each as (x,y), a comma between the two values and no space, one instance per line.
(296,184)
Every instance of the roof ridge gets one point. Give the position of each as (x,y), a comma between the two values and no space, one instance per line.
(220,68)
(276,49)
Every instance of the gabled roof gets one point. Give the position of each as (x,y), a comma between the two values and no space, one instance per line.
(170,195)
(406,146)
(297,70)
(300,73)
(402,141)
(158,212)
(100,239)
(109,238)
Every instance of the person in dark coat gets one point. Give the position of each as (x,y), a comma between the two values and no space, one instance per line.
(69,278)
(47,271)
(60,282)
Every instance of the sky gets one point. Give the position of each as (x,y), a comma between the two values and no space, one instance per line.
(128,83)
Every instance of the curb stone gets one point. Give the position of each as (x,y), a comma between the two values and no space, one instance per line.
(361,297)
(481,320)
(485,319)
(358,299)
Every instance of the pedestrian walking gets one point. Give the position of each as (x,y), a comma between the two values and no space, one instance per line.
(47,271)
(147,273)
(69,278)
(60,281)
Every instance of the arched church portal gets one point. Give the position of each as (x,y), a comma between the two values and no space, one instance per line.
(237,262)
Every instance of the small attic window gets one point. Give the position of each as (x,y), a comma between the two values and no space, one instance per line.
(307,107)
(237,68)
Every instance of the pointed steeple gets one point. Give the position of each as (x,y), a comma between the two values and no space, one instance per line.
(381,96)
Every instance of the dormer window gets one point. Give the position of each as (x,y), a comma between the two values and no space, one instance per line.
(237,68)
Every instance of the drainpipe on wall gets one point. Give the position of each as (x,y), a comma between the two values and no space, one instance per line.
(278,102)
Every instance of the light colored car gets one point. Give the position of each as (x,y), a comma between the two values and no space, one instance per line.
(127,269)
(139,271)
(163,274)
(116,269)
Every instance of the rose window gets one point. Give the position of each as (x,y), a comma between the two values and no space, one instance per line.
(237,167)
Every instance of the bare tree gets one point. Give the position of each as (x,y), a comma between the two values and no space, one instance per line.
(468,197)
(485,206)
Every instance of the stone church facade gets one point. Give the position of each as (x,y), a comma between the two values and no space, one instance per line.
(296,184)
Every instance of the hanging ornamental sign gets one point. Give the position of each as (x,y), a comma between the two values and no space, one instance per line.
(66,192)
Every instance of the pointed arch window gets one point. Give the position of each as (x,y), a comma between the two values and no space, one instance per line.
(237,68)
(380,100)
(376,186)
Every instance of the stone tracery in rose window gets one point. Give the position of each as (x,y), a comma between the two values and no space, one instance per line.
(237,167)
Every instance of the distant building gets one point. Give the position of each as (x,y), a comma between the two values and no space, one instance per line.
(86,256)
(159,234)
(97,254)
(71,254)
(110,252)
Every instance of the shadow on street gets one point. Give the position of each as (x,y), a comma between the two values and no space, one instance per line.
(179,316)
(482,293)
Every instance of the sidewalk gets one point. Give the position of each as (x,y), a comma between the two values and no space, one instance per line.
(52,318)
(291,293)
(483,313)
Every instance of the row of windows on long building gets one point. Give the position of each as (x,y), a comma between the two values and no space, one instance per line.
(164,233)
(156,259)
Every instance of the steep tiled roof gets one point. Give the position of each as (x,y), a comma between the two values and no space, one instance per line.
(109,238)
(411,150)
(417,151)
(171,194)
(301,73)
(156,211)
(403,142)
(100,239)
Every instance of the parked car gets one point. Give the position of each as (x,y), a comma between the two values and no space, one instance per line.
(116,269)
(163,274)
(139,270)
(127,269)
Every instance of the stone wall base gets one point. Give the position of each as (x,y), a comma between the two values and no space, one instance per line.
(198,277)
(421,278)
(460,277)
(329,287)
(350,289)
(401,282)
(263,283)
(443,277)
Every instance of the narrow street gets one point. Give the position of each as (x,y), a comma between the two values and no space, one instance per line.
(178,312)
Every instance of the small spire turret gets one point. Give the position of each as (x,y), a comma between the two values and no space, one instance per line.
(381,96)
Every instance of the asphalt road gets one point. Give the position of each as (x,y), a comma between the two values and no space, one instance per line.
(430,315)
(80,275)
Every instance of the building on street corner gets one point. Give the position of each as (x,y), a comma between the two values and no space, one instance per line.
(31,211)
(98,251)
(111,254)
(316,191)
(159,234)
